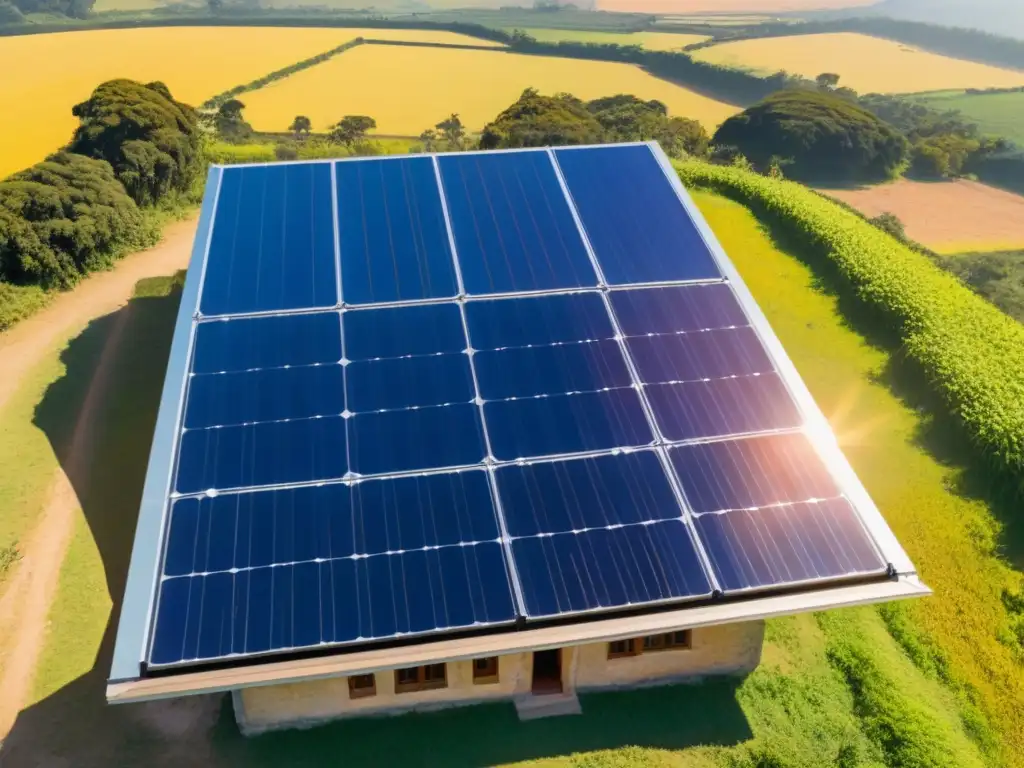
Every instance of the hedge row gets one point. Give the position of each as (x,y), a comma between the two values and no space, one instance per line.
(972,353)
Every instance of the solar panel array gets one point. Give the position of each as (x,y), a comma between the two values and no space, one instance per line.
(452,392)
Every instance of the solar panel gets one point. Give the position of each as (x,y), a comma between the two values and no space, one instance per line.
(440,394)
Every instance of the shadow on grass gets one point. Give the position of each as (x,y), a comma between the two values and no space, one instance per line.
(938,433)
(75,726)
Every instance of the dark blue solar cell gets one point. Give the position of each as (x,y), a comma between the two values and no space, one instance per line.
(262,454)
(513,228)
(722,407)
(399,441)
(221,399)
(539,320)
(399,331)
(267,342)
(787,544)
(559,496)
(409,381)
(393,239)
(272,245)
(566,424)
(195,619)
(637,226)
(740,474)
(617,568)
(677,308)
(698,355)
(572,367)
(416,592)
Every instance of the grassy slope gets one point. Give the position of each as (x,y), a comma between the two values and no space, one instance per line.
(998,114)
(833,689)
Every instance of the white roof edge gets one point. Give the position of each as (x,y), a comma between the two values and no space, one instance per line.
(460,649)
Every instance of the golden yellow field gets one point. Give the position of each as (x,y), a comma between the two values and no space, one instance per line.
(654,41)
(866,64)
(407,90)
(723,6)
(45,75)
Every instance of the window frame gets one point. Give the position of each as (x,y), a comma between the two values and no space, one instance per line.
(357,692)
(487,676)
(633,647)
(680,640)
(423,681)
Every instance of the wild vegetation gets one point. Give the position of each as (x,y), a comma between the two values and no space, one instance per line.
(821,135)
(969,351)
(999,277)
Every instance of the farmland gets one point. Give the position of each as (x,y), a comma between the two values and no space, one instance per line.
(866,64)
(435,82)
(195,63)
(654,41)
(724,6)
(998,114)
(948,216)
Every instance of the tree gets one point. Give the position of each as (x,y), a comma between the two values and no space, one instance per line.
(231,109)
(301,125)
(890,223)
(827,81)
(62,217)
(452,130)
(229,122)
(680,137)
(540,121)
(351,128)
(828,137)
(153,142)
(429,139)
(627,118)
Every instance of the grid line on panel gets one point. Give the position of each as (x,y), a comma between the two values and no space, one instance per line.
(836,463)
(660,450)
(172,475)
(514,580)
(336,225)
(344,381)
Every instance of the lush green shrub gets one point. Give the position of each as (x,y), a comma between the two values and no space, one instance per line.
(153,142)
(64,217)
(18,302)
(826,137)
(972,354)
(539,121)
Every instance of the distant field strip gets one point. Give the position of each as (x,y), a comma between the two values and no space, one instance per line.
(724,6)
(866,64)
(948,217)
(407,90)
(652,41)
(997,114)
(46,75)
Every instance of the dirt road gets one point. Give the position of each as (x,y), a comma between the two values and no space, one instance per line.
(32,587)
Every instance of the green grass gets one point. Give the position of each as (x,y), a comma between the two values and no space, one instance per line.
(997,114)
(852,688)
(311,149)
(19,301)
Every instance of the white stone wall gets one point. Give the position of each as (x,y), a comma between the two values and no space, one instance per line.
(732,649)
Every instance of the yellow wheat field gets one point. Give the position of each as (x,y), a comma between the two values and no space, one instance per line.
(866,64)
(45,75)
(652,41)
(407,90)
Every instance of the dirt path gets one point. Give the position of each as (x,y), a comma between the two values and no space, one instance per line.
(31,340)
(26,601)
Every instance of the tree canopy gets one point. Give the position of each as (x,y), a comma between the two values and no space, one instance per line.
(537,121)
(229,121)
(62,217)
(352,128)
(824,135)
(300,125)
(152,141)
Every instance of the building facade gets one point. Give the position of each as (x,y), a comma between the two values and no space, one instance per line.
(532,680)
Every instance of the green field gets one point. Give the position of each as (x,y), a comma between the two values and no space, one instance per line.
(862,687)
(997,114)
(654,41)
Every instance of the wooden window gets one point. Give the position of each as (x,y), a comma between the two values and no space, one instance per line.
(485,670)
(423,678)
(669,641)
(362,685)
(620,649)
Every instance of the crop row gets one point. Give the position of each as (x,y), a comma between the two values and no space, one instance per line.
(971,353)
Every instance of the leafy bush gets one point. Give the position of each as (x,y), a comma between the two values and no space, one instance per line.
(890,222)
(153,142)
(64,217)
(826,136)
(540,121)
(971,353)
(19,301)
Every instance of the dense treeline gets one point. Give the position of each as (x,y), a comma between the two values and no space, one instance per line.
(539,121)
(820,135)
(135,147)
